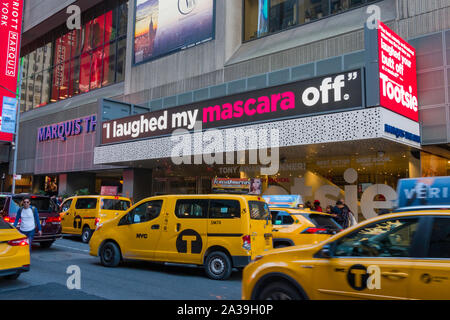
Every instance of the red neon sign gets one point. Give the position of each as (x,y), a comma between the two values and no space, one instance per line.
(397,71)
(10,32)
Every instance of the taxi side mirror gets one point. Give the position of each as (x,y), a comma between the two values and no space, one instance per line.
(325,252)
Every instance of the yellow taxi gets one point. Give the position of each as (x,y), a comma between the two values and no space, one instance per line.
(81,214)
(14,252)
(218,231)
(293,226)
(403,255)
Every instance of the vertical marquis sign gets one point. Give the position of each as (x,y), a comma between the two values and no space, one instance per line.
(397,73)
(10,33)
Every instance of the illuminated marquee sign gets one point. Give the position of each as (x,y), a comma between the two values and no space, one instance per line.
(65,129)
(10,31)
(397,73)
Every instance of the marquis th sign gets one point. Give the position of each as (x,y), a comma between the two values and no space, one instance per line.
(324,94)
(397,72)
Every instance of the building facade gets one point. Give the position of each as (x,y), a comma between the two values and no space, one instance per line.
(156,59)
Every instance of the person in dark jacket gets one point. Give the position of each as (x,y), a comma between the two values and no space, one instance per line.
(29,220)
(342,214)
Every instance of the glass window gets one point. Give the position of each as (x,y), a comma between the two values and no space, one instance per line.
(42,204)
(109,63)
(123,19)
(121,53)
(113,204)
(46,83)
(387,238)
(98,31)
(39,59)
(37,90)
(323,221)
(65,73)
(440,239)
(2,202)
(110,26)
(221,209)
(85,69)
(66,205)
(96,68)
(146,211)
(57,75)
(262,17)
(191,208)
(30,91)
(281,218)
(86,203)
(86,37)
(259,210)
(75,77)
(5,225)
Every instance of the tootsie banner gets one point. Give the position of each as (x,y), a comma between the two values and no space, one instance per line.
(10,31)
(308,97)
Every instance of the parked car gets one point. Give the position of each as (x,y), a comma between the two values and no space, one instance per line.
(217,231)
(81,214)
(48,215)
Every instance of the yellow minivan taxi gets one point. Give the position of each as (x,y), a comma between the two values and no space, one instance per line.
(218,231)
(81,214)
(294,226)
(402,255)
(14,251)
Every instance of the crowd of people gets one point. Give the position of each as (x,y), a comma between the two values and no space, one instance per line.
(341,212)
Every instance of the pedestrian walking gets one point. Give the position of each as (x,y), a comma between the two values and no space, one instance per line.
(317,206)
(29,220)
(308,205)
(329,209)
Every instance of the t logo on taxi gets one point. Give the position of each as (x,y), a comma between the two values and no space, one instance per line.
(359,277)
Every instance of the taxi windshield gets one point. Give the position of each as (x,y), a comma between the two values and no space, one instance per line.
(259,210)
(114,204)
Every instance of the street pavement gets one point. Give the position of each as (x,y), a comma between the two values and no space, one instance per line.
(137,280)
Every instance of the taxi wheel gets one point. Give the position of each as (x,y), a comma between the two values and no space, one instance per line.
(86,234)
(279,291)
(110,255)
(218,266)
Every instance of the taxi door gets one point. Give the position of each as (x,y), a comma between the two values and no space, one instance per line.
(225,224)
(373,262)
(139,230)
(85,213)
(430,276)
(260,227)
(67,216)
(183,237)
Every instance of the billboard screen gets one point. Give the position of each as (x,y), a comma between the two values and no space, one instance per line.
(10,32)
(165,26)
(397,72)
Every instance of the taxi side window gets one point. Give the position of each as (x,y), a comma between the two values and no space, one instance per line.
(222,209)
(145,212)
(387,238)
(440,239)
(191,208)
(281,218)
(86,203)
(66,205)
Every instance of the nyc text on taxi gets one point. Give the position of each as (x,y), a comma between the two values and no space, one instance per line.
(403,255)
(217,231)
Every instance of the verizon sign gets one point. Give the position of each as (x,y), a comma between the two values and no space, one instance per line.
(10,31)
(397,72)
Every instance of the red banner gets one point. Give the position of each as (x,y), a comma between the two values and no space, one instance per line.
(10,32)
(398,77)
